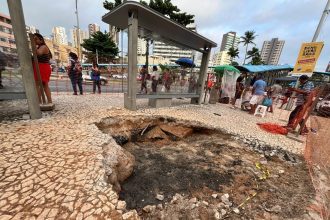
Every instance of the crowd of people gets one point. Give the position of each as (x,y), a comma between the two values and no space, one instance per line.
(150,81)
(261,94)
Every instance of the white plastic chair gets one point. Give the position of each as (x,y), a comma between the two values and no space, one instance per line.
(260,111)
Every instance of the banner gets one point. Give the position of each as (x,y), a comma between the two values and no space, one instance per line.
(328,68)
(307,58)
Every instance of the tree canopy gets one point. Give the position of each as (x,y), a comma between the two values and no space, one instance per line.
(164,7)
(102,43)
(233,53)
(254,53)
(247,39)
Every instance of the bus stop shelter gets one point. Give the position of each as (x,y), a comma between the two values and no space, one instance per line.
(144,22)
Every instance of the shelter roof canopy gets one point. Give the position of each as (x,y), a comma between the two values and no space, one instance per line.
(153,25)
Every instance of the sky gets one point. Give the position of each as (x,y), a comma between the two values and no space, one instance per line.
(294,21)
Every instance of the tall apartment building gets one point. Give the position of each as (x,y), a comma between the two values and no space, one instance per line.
(221,58)
(92,28)
(172,52)
(82,36)
(7,40)
(59,35)
(141,46)
(229,40)
(271,51)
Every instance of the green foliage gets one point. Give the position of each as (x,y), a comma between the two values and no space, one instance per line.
(106,48)
(248,38)
(166,7)
(234,63)
(255,55)
(233,53)
(110,5)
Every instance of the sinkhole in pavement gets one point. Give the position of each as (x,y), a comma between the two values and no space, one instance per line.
(195,161)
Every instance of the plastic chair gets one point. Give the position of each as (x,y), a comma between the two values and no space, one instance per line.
(261,111)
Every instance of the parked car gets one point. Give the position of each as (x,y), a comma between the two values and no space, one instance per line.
(323,106)
(87,78)
(119,76)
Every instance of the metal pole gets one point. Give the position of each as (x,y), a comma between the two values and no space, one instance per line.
(122,59)
(316,34)
(130,96)
(97,57)
(321,23)
(18,24)
(78,32)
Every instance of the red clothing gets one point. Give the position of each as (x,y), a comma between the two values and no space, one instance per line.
(45,72)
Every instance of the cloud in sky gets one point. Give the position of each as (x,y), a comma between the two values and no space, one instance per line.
(294,21)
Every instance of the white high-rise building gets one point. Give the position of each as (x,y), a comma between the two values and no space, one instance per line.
(222,58)
(172,52)
(82,34)
(141,47)
(92,28)
(229,40)
(59,35)
(271,51)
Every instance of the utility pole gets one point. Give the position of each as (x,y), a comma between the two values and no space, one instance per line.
(78,32)
(316,35)
(321,23)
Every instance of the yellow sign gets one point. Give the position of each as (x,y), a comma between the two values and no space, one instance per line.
(308,55)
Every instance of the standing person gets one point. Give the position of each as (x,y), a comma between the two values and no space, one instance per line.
(167,79)
(154,78)
(305,87)
(258,92)
(43,55)
(143,73)
(239,89)
(96,77)
(75,73)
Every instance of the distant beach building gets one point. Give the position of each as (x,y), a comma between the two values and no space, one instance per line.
(92,28)
(59,35)
(229,40)
(172,52)
(271,51)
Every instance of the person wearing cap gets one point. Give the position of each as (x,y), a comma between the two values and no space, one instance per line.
(304,89)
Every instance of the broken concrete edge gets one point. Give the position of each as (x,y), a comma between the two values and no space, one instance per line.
(118,163)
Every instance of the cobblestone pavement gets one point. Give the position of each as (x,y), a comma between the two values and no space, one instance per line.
(52,168)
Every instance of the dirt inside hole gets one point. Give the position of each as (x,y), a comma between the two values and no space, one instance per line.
(178,161)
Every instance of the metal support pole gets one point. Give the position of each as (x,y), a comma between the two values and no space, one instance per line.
(122,59)
(18,23)
(202,77)
(78,32)
(320,25)
(130,96)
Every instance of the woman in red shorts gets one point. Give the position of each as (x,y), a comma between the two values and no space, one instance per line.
(44,55)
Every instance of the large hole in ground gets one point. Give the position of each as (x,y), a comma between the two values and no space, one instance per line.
(175,158)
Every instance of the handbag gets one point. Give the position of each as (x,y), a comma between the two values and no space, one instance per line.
(267,102)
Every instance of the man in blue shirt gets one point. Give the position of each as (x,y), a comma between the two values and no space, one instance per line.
(258,92)
(305,87)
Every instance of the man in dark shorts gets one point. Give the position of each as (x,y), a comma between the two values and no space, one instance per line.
(239,89)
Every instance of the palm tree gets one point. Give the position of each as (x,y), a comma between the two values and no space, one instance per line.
(252,53)
(247,39)
(255,55)
(233,53)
